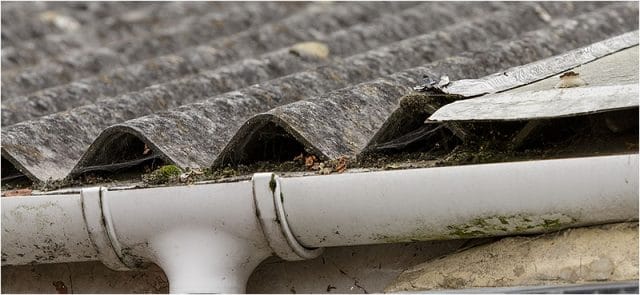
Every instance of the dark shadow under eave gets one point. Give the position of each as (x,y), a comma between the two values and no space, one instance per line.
(119,150)
(12,175)
(405,130)
(264,138)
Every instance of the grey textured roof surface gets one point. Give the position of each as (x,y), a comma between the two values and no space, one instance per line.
(86,87)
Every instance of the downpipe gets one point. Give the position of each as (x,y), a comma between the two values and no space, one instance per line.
(210,237)
(206,238)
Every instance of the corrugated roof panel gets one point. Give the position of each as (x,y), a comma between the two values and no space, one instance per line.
(358,68)
(327,18)
(216,119)
(29,20)
(360,37)
(143,26)
(329,104)
(258,40)
(343,122)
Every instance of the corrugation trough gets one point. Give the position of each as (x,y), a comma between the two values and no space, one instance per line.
(106,87)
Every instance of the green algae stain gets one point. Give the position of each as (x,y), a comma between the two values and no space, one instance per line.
(512,224)
(552,223)
(495,225)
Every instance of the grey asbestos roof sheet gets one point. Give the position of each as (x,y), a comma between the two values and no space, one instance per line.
(147,30)
(344,42)
(257,38)
(220,84)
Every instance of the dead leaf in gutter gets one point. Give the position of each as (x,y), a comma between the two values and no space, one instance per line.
(60,287)
(309,161)
(342,164)
(18,192)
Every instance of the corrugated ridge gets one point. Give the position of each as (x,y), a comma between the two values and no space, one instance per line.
(327,18)
(146,32)
(64,69)
(17,13)
(343,122)
(389,28)
(29,20)
(205,127)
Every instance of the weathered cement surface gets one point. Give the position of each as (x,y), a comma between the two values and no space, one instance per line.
(359,269)
(338,270)
(88,277)
(583,255)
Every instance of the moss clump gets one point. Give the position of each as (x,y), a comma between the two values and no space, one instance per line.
(423,103)
(162,175)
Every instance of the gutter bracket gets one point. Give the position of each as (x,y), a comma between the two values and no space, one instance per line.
(269,198)
(97,228)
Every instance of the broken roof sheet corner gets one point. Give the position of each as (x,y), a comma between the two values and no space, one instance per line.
(603,77)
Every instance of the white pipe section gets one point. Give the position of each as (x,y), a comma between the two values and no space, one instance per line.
(45,229)
(210,237)
(460,201)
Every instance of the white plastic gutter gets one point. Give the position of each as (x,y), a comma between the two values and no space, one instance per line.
(210,237)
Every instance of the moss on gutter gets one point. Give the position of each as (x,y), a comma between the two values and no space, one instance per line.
(163,174)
